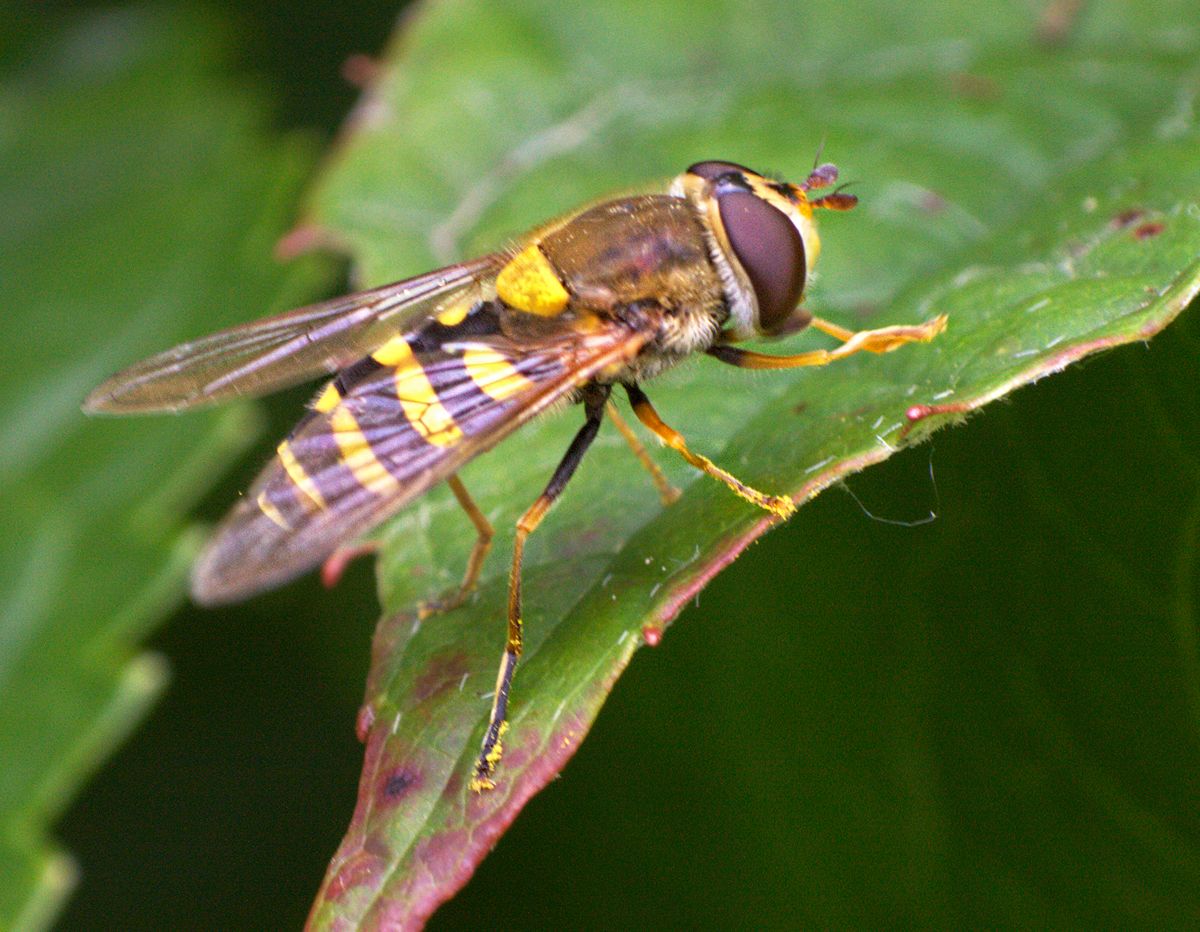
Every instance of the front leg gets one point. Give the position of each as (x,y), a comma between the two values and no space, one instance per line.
(883,340)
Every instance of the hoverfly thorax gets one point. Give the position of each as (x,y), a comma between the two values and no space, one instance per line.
(762,239)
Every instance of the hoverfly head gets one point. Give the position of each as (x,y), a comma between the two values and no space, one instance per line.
(762,238)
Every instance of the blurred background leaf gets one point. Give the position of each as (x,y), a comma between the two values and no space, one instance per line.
(995,714)
(137,192)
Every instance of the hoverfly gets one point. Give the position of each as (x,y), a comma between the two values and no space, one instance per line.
(434,370)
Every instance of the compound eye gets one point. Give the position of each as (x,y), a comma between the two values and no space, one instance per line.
(770,250)
(710,171)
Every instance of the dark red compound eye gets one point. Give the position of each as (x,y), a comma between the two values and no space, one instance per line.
(771,252)
(710,171)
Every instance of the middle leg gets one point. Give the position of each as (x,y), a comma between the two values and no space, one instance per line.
(667,493)
(779,505)
(479,551)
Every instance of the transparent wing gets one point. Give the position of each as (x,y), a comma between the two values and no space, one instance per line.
(384,440)
(276,352)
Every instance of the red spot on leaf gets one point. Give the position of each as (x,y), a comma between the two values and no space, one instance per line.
(918,413)
(300,241)
(360,70)
(1148,230)
(454,783)
(334,568)
(522,751)
(364,721)
(586,541)
(652,635)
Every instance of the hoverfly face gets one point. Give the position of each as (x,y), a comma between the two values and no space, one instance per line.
(762,238)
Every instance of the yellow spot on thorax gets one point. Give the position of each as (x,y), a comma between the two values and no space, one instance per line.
(424,410)
(528,283)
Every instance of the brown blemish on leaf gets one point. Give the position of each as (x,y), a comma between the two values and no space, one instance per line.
(440,852)
(1149,230)
(974,86)
(931,203)
(1126,218)
(359,871)
(445,671)
(375,846)
(864,312)
(1057,21)
(443,862)
(396,784)
(588,541)
(365,860)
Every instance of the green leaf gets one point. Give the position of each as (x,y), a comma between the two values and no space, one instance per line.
(986,720)
(1044,196)
(139,196)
